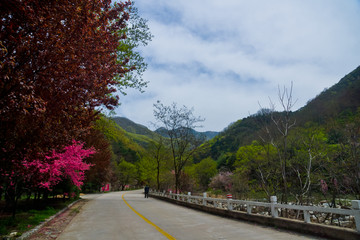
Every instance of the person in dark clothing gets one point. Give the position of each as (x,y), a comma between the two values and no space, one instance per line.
(146,191)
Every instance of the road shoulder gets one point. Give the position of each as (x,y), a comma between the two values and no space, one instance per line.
(53,228)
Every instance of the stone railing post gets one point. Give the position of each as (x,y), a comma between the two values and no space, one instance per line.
(273,201)
(248,209)
(230,205)
(356,206)
(229,202)
(189,195)
(204,198)
(307,216)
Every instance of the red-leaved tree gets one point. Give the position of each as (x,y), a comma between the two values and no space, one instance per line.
(59,63)
(101,169)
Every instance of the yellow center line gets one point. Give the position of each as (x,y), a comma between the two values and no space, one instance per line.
(148,221)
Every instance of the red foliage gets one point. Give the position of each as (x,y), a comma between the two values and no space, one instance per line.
(58,62)
(100,171)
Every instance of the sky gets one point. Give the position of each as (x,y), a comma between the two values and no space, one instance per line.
(226,58)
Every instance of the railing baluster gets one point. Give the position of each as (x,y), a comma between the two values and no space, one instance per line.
(356,206)
(273,202)
(230,206)
(306,216)
(248,209)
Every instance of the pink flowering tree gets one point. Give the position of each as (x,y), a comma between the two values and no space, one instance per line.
(68,164)
(222,181)
(45,172)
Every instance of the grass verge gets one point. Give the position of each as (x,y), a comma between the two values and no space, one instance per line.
(27,218)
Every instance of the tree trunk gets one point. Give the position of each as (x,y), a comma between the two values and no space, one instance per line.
(177,181)
(158,178)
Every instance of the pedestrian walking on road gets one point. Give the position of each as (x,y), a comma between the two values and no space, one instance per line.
(146,190)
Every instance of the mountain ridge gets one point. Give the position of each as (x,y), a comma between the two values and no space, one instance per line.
(135,128)
(340,100)
(207,134)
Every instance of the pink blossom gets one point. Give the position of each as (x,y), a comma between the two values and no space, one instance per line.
(59,165)
(222,181)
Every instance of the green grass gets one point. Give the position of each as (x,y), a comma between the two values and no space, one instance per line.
(27,218)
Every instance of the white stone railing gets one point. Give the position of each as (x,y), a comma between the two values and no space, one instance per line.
(273,208)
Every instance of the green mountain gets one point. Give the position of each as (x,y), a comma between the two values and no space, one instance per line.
(132,127)
(123,144)
(140,130)
(339,99)
(342,99)
(138,133)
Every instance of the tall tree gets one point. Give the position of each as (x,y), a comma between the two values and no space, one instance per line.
(127,174)
(282,122)
(100,171)
(179,124)
(137,35)
(256,163)
(157,151)
(60,61)
(309,149)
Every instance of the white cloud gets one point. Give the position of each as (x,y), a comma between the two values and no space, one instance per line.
(222,57)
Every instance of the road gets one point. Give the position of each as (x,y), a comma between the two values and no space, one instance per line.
(128,215)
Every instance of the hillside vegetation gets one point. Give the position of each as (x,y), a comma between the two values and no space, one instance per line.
(340,101)
(299,155)
(318,154)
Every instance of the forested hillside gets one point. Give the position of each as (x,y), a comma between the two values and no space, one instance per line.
(136,132)
(340,100)
(314,150)
(132,127)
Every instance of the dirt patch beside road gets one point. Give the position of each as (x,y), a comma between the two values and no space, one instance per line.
(53,228)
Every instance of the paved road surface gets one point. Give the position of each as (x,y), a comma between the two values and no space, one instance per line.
(108,216)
